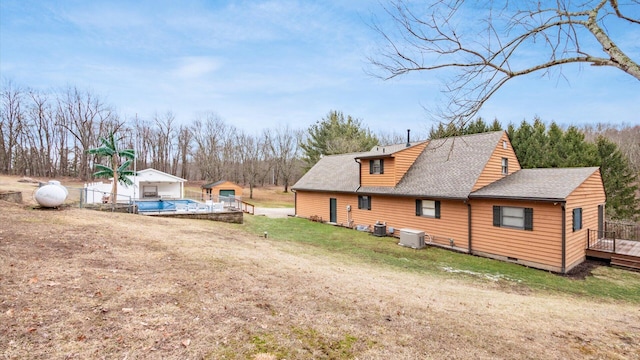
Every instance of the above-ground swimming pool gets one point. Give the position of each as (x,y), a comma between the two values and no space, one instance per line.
(171,206)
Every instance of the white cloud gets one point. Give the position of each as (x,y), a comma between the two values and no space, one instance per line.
(194,67)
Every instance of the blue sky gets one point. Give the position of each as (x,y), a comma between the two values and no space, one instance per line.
(262,64)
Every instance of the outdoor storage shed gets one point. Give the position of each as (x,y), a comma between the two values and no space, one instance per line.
(221,188)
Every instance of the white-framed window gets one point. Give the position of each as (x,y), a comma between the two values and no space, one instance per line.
(504,144)
(364,202)
(505,166)
(376,166)
(513,217)
(428,208)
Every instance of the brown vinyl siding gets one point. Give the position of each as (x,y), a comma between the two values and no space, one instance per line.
(493,168)
(542,245)
(396,212)
(587,196)
(227,185)
(395,167)
(405,158)
(387,178)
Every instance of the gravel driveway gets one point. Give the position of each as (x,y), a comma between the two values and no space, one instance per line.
(275,212)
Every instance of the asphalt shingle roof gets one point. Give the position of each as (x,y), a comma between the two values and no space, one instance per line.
(210,185)
(332,173)
(541,184)
(447,168)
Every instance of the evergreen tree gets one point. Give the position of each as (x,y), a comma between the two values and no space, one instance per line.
(537,145)
(521,141)
(575,151)
(620,182)
(336,135)
(475,127)
(495,126)
(554,142)
(444,132)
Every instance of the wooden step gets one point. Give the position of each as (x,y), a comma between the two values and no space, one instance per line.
(626,261)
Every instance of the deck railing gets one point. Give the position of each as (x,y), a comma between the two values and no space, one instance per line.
(246,207)
(601,240)
(623,230)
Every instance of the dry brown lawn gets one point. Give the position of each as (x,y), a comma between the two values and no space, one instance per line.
(263,196)
(81,284)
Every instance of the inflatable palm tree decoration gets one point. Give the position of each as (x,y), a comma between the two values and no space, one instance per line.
(117,171)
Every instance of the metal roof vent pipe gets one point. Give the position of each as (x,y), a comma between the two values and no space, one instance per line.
(408,138)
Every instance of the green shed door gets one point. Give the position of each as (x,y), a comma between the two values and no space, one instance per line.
(227,193)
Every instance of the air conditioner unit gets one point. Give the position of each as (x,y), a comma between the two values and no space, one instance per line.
(412,238)
(379,230)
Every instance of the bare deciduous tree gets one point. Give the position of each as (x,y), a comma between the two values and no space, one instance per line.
(283,146)
(10,125)
(84,115)
(183,154)
(489,42)
(209,133)
(163,142)
(252,152)
(41,133)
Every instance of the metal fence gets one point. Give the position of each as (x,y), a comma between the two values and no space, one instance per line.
(623,230)
(83,198)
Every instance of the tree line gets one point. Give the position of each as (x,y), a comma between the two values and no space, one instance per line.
(51,135)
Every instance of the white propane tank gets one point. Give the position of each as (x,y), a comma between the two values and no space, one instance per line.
(56,182)
(51,195)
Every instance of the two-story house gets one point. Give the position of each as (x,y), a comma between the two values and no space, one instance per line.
(467,193)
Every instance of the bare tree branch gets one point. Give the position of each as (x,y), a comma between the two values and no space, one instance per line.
(488,43)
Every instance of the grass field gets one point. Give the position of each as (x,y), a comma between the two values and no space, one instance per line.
(82,284)
(603,283)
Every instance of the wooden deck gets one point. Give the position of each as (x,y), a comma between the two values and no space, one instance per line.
(624,253)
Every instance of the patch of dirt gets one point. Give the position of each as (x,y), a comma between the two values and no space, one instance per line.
(585,269)
(84,284)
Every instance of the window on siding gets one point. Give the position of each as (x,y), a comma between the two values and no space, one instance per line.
(364,202)
(376,166)
(428,208)
(577,219)
(513,217)
(505,166)
(504,144)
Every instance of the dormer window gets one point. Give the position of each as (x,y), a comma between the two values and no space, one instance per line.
(505,166)
(376,166)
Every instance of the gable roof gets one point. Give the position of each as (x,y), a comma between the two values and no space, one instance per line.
(447,168)
(157,176)
(219,182)
(338,173)
(386,151)
(552,184)
(341,173)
